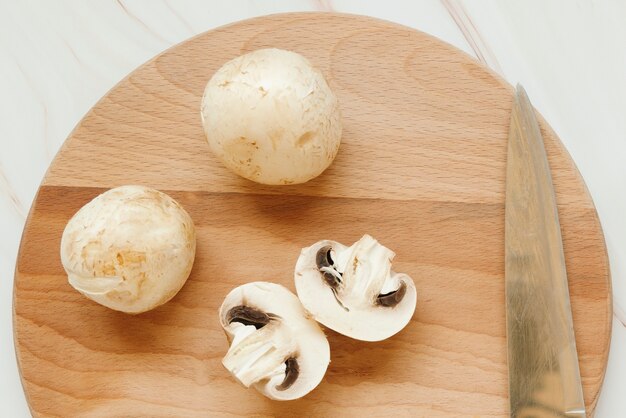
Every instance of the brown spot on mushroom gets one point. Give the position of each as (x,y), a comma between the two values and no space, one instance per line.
(292,370)
(105,269)
(304,139)
(391,299)
(130,257)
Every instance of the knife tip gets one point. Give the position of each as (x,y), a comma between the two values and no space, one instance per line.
(521,99)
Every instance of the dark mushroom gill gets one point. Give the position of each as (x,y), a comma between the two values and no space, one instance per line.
(292,371)
(248,316)
(323,259)
(391,299)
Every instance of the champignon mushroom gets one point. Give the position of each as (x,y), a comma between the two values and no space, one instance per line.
(130,249)
(270,117)
(353,290)
(274,346)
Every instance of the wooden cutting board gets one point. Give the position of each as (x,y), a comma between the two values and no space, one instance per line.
(421,167)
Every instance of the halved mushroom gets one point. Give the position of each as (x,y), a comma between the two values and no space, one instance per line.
(274,345)
(353,290)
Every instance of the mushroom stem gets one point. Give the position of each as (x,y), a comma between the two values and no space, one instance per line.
(94,285)
(366,271)
(260,355)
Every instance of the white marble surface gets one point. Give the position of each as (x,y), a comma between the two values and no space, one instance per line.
(57,58)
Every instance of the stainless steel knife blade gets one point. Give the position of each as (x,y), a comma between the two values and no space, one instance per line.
(544,378)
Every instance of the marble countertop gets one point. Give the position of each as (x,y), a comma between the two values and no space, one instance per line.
(57,58)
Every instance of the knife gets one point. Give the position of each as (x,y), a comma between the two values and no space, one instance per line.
(544,379)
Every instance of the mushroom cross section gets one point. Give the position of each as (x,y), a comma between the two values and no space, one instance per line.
(274,346)
(353,290)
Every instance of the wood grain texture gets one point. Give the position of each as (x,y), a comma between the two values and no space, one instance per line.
(421,168)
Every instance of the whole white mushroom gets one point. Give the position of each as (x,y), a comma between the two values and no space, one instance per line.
(271,117)
(130,249)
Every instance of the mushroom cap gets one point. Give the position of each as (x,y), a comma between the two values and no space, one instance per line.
(290,334)
(130,249)
(353,309)
(270,117)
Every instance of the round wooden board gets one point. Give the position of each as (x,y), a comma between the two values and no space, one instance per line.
(421,167)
